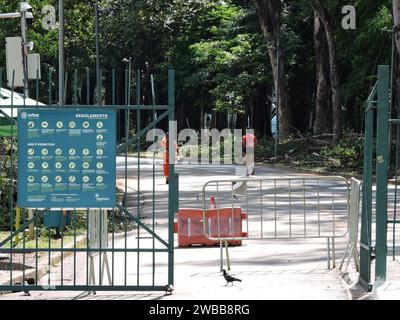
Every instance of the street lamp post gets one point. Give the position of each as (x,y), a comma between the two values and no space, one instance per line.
(129,61)
(61,52)
(24,49)
(98,79)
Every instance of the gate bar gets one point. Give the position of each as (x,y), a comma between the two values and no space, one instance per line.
(382,147)
(366,221)
(173,186)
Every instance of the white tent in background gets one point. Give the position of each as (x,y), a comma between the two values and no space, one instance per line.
(18,100)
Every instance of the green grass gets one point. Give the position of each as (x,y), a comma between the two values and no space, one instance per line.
(5,131)
(43,242)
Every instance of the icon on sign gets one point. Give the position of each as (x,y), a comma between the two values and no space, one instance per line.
(45,124)
(45,165)
(45,152)
(99,137)
(58,179)
(72,124)
(59,124)
(31,124)
(99,179)
(72,165)
(58,152)
(58,165)
(99,125)
(85,165)
(31,152)
(85,152)
(45,179)
(99,165)
(86,125)
(72,152)
(99,152)
(85,179)
(72,179)
(31,179)
(31,165)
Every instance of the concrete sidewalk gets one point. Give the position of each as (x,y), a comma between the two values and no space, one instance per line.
(381,290)
(268,270)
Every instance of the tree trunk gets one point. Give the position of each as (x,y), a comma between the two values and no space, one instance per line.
(323,111)
(268,12)
(323,14)
(262,110)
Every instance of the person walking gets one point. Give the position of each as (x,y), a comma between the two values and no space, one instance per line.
(249,142)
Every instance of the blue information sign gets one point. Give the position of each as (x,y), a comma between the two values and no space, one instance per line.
(66,158)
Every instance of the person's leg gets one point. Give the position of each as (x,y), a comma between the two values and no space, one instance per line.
(244,153)
(250,161)
(166,167)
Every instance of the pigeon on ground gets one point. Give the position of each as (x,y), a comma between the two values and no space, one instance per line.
(168,289)
(229,278)
(27,282)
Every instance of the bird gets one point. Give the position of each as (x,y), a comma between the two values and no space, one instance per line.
(168,289)
(229,278)
(27,282)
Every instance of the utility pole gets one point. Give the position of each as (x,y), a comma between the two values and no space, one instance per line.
(24,49)
(97,53)
(61,53)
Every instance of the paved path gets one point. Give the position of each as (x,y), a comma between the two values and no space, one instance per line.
(269,269)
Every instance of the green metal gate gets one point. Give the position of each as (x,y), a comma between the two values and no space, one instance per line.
(139,251)
(379,140)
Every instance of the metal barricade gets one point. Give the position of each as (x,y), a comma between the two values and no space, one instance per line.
(296,207)
(354,210)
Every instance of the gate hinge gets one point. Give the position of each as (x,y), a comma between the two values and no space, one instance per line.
(369,248)
(372,252)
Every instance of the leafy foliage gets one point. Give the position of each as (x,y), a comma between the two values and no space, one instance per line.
(8,184)
(219,54)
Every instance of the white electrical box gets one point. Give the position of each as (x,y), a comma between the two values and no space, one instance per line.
(34,66)
(14,62)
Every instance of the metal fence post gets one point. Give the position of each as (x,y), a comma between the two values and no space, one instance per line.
(173,190)
(382,172)
(366,213)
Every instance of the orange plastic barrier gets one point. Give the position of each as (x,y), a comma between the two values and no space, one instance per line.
(190,230)
(164,144)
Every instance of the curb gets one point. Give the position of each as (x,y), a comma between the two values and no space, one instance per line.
(322,173)
(310,171)
(42,267)
(43,262)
